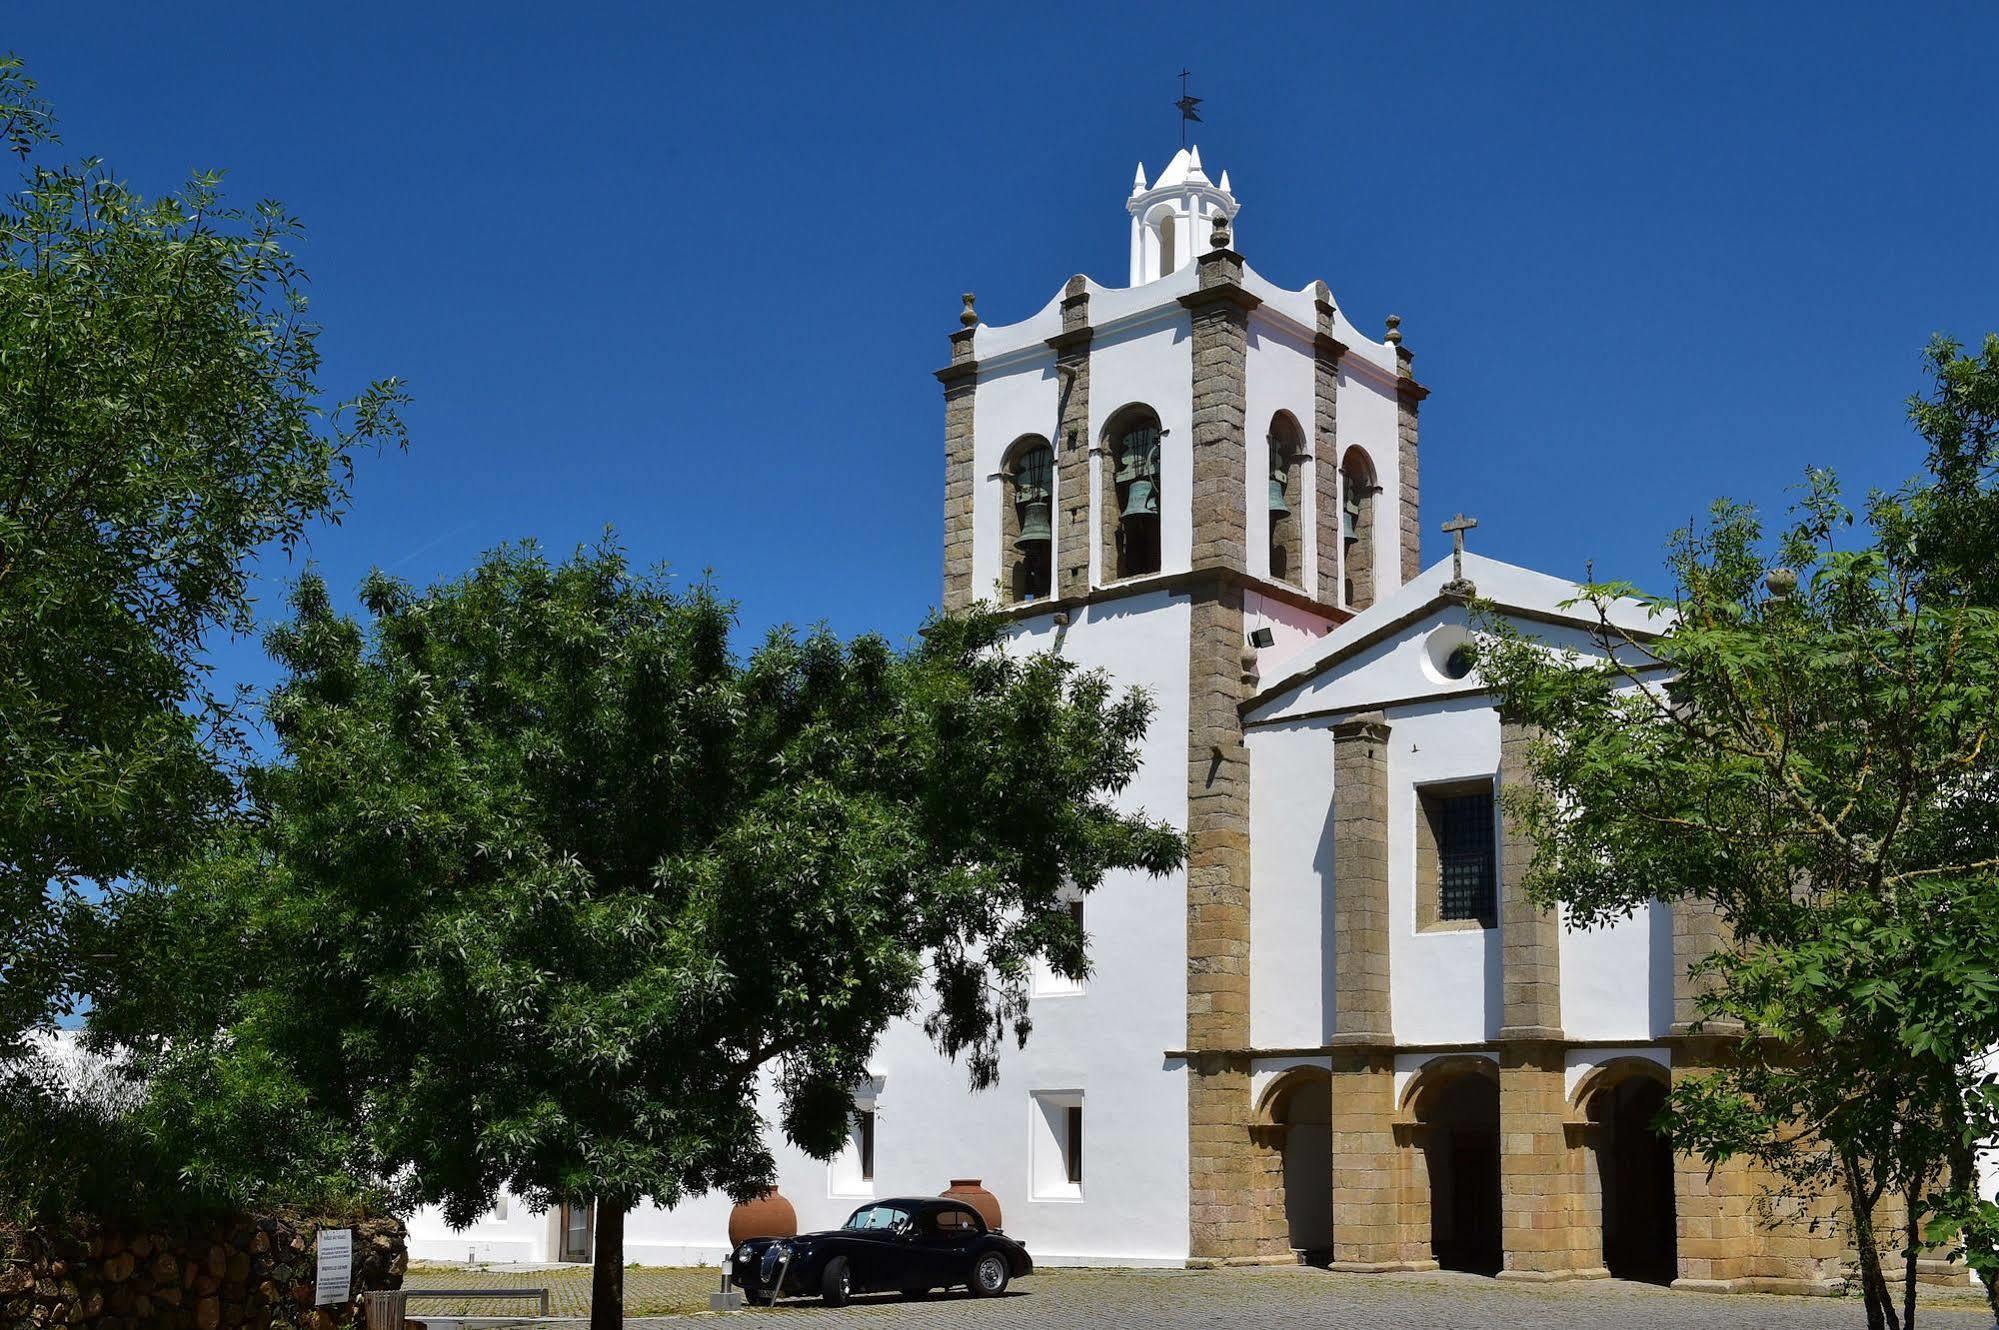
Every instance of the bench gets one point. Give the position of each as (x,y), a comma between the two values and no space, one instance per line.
(388,1309)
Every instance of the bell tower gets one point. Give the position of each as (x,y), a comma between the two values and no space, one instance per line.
(1173,481)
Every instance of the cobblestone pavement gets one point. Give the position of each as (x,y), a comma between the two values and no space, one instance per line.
(1283,1298)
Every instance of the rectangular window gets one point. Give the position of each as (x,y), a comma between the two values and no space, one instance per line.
(866,1124)
(1075,1151)
(1457,856)
(1055,1156)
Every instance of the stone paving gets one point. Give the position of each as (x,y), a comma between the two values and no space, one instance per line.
(1277,1298)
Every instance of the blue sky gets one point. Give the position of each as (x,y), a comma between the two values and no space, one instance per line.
(686,270)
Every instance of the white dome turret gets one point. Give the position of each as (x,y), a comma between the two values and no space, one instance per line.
(1171,216)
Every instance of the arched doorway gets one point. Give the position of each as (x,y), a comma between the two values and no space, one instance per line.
(1635,1169)
(1299,1106)
(1455,1108)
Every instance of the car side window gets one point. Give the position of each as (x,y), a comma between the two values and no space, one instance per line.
(955,1225)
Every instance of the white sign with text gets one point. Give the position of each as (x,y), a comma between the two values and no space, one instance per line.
(336,1267)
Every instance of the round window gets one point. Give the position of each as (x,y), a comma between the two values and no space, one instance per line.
(1450,654)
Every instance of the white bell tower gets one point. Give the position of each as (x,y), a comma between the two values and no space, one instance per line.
(1171,217)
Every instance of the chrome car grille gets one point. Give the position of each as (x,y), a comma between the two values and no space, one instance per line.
(767,1272)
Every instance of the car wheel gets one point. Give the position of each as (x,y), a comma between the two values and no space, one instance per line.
(836,1286)
(990,1275)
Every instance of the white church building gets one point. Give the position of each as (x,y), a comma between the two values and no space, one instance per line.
(1342,1032)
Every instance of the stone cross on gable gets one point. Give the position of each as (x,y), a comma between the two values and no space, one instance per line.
(1458,585)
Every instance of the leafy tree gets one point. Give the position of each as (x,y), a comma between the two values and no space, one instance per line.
(160,425)
(1821,770)
(549,883)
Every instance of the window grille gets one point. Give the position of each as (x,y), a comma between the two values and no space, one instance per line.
(1465,857)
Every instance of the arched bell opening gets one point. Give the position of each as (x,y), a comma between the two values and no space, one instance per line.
(1285,447)
(1298,1108)
(1454,1111)
(1132,491)
(1634,1169)
(1357,491)
(1027,519)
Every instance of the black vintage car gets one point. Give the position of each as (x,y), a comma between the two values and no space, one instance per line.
(906,1245)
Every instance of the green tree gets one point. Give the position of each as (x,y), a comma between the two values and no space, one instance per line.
(160,424)
(1822,771)
(549,883)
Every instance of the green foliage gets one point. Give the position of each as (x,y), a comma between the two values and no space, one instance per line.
(1817,764)
(549,880)
(160,423)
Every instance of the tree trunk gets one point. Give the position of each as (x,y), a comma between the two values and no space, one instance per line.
(1912,1197)
(607,1272)
(1873,1284)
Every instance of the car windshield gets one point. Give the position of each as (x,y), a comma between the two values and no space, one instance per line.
(870,1217)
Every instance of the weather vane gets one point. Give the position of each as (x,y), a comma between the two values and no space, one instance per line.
(1187,103)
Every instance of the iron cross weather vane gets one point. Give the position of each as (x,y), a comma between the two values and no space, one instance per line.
(1187,103)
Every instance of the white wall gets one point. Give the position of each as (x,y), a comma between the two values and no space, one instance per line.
(1291,881)
(1106,1043)
(1280,374)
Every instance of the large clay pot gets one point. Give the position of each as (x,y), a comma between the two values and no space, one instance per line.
(768,1216)
(971,1193)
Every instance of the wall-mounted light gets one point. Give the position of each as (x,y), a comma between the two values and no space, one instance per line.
(1262,637)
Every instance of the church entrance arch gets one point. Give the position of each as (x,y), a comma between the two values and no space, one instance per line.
(1452,1115)
(1299,1107)
(1634,1169)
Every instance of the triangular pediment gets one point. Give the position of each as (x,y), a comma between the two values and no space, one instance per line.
(1399,649)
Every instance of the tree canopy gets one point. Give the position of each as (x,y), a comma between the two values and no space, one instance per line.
(548,884)
(1808,749)
(161,423)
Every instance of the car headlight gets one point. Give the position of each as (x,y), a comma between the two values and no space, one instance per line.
(743,1253)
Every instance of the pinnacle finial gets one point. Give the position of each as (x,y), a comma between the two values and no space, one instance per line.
(969,316)
(1394,334)
(1138,180)
(1219,237)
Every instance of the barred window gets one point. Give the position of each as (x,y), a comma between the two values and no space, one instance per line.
(1463,874)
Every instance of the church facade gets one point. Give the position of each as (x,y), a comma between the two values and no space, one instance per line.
(1342,1032)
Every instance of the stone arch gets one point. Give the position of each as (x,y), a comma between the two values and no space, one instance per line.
(1027,481)
(1294,1117)
(1132,479)
(1448,1126)
(1285,530)
(1629,1167)
(1358,522)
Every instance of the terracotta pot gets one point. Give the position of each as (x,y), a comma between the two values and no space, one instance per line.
(971,1193)
(768,1216)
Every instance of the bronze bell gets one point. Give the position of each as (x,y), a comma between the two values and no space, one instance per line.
(1278,507)
(1141,499)
(1034,525)
(1350,519)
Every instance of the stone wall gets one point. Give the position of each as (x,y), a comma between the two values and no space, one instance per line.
(222,1276)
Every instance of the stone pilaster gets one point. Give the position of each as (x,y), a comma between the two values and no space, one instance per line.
(1409,395)
(960,380)
(1698,932)
(1368,1230)
(1326,353)
(1226,1219)
(1219,311)
(1542,1210)
(1360,880)
(1073,533)
(1714,1209)
(1529,936)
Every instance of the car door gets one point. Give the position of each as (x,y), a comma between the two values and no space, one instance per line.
(953,1240)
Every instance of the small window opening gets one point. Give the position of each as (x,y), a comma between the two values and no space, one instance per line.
(865,1123)
(1074,1151)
